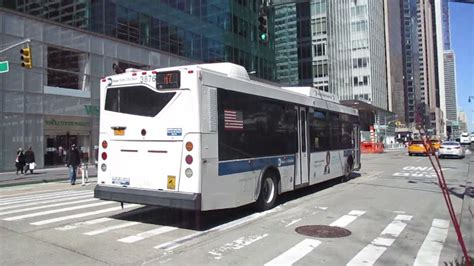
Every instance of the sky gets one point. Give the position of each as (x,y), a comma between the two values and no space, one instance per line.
(461,18)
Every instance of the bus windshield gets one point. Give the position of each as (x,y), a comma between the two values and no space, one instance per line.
(136,100)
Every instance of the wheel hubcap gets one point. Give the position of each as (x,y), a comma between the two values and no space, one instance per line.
(268,190)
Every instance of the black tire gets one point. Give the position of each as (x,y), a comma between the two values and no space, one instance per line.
(268,192)
(410,154)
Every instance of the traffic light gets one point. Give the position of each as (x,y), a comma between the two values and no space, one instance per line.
(26,61)
(263,25)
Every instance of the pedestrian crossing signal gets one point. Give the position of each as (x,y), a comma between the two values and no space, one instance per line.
(26,61)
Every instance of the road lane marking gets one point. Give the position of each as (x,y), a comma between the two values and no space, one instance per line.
(80,224)
(40,202)
(14,218)
(110,228)
(295,253)
(84,214)
(66,195)
(239,243)
(48,206)
(181,241)
(370,253)
(147,234)
(433,244)
(293,222)
(348,218)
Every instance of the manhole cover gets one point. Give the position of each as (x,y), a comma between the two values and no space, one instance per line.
(324,231)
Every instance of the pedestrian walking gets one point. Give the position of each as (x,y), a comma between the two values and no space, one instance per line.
(20,160)
(30,162)
(73,161)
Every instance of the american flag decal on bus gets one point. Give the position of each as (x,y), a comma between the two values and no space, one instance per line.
(233,120)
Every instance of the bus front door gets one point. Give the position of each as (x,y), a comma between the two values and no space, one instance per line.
(302,156)
(356,140)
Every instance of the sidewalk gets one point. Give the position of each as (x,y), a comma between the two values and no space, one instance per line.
(467,212)
(41,176)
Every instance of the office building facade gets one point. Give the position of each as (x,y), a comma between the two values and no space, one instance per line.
(368,63)
(75,43)
(394,50)
(450,85)
(431,66)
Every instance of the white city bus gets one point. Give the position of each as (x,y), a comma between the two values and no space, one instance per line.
(206,137)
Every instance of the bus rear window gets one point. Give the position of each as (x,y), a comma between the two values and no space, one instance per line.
(136,100)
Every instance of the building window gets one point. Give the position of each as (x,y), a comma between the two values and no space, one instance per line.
(359,26)
(320,69)
(67,69)
(319,26)
(360,62)
(319,49)
(319,7)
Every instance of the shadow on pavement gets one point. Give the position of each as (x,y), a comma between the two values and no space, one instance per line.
(203,221)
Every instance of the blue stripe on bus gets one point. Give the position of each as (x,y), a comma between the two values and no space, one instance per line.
(234,167)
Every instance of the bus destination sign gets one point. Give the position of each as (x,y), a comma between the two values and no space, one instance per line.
(168,80)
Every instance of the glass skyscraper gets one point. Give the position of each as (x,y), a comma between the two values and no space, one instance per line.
(202,30)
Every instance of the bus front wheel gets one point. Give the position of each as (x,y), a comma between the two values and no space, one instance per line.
(268,192)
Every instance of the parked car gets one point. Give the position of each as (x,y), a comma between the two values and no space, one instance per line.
(451,149)
(416,147)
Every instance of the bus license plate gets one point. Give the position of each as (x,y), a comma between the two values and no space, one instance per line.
(171,182)
(119,132)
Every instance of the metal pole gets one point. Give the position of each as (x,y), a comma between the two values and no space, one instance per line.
(14,45)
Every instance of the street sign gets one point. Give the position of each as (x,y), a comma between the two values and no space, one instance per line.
(4,67)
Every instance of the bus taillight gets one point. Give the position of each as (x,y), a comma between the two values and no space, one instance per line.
(104,144)
(189,159)
(104,156)
(189,146)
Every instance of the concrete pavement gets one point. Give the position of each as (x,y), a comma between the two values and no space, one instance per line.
(41,176)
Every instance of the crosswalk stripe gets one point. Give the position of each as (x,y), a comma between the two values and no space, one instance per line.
(84,214)
(370,253)
(147,234)
(110,228)
(79,224)
(14,218)
(433,244)
(40,202)
(41,195)
(295,253)
(347,219)
(66,195)
(47,206)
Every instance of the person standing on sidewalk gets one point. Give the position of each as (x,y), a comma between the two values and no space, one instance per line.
(20,160)
(29,160)
(73,161)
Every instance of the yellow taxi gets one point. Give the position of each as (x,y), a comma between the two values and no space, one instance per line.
(435,144)
(416,147)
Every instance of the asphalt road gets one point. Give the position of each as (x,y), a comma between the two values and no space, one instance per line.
(393,210)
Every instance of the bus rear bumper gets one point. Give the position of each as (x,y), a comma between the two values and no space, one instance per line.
(187,201)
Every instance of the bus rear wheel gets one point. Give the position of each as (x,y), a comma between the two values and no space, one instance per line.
(268,192)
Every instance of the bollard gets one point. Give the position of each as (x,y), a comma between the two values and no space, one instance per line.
(84,173)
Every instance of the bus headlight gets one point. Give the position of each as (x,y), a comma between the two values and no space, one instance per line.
(103,167)
(188,172)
